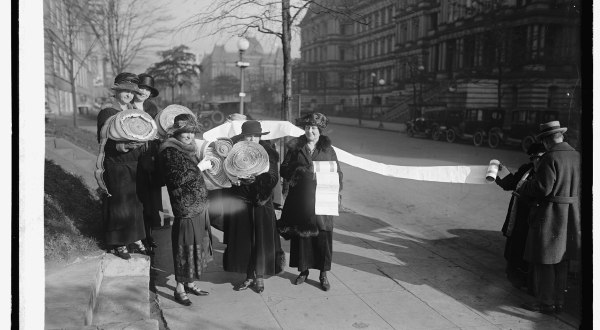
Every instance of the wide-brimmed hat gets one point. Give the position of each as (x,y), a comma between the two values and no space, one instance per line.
(549,128)
(126,81)
(146,80)
(166,117)
(250,127)
(313,119)
(183,123)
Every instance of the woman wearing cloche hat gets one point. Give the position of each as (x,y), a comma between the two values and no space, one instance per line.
(122,210)
(190,233)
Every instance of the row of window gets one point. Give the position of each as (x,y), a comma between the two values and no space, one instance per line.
(381,46)
(375,19)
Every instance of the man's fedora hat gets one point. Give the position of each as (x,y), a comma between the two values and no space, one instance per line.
(146,80)
(250,127)
(549,128)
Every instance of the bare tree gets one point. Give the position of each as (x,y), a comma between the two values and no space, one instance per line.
(69,46)
(125,29)
(273,17)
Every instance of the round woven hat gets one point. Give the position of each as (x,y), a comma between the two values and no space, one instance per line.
(132,125)
(214,177)
(166,117)
(246,159)
(223,146)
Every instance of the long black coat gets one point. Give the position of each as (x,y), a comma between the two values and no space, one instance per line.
(516,237)
(122,211)
(249,217)
(298,215)
(555,224)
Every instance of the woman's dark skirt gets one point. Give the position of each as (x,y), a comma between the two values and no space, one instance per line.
(267,257)
(122,212)
(312,252)
(192,247)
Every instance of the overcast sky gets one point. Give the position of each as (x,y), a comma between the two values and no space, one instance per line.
(181,10)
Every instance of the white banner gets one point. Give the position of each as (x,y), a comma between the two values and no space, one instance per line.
(328,188)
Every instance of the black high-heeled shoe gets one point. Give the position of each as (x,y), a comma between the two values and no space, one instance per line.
(245,285)
(325,283)
(301,277)
(182,298)
(259,285)
(194,290)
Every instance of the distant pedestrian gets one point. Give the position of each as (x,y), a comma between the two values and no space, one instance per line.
(122,211)
(515,226)
(149,179)
(311,235)
(554,236)
(190,232)
(250,230)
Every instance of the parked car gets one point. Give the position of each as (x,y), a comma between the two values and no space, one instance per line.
(524,125)
(475,124)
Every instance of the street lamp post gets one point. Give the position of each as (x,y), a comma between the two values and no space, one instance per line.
(421,68)
(242,45)
(381,83)
(373,82)
(180,83)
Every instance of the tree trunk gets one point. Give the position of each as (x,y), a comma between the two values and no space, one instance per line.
(286,41)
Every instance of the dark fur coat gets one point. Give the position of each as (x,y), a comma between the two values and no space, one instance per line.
(298,216)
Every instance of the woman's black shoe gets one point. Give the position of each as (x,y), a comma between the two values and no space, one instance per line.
(259,285)
(194,290)
(245,285)
(122,253)
(301,277)
(325,283)
(182,298)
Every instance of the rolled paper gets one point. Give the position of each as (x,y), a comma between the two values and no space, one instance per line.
(246,159)
(214,177)
(492,170)
(166,117)
(328,188)
(223,146)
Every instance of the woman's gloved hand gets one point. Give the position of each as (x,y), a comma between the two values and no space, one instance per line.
(204,164)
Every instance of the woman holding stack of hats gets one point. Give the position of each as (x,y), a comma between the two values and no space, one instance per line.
(310,234)
(250,231)
(190,233)
(122,210)
(149,178)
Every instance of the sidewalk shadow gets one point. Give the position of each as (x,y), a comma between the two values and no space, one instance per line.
(467,267)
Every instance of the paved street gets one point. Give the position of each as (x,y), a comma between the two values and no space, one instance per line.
(407,254)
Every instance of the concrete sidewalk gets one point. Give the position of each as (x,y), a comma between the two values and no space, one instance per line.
(380,278)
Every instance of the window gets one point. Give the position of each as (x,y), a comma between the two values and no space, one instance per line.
(552,97)
(415,26)
(433,21)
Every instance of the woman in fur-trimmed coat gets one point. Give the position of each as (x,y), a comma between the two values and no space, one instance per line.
(250,231)
(311,235)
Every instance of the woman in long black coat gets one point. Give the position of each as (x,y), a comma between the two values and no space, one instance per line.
(515,226)
(311,235)
(190,233)
(149,176)
(122,209)
(250,231)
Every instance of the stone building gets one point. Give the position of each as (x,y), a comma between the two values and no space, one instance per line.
(89,80)
(522,56)
(264,70)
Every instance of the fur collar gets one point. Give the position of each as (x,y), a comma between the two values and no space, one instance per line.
(299,143)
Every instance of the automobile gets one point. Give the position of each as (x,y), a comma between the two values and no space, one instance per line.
(475,124)
(419,126)
(522,128)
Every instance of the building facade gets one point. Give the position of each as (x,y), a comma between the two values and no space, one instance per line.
(264,71)
(407,56)
(88,66)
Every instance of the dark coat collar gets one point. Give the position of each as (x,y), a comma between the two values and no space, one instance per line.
(563,146)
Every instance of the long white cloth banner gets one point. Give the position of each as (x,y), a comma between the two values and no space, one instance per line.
(328,188)
(473,174)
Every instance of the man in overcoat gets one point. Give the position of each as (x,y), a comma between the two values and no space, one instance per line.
(554,235)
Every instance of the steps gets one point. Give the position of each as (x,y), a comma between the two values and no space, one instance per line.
(104,292)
